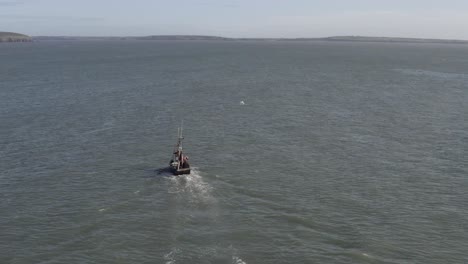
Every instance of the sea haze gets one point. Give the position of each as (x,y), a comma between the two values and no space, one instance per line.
(342,152)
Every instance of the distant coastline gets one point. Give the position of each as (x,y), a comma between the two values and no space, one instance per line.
(14,37)
(216,38)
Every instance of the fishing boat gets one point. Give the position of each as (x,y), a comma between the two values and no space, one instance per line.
(179,163)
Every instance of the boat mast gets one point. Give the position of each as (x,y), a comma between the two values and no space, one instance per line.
(181,135)
(179,146)
(178,141)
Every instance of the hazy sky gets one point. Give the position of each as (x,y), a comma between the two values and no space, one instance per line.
(238,18)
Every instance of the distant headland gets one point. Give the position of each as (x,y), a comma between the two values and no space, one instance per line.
(14,37)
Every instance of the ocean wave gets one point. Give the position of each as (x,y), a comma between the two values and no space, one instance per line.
(433,74)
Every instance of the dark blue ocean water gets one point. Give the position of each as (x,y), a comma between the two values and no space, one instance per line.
(343,152)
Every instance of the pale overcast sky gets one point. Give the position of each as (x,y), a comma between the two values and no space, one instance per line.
(238,18)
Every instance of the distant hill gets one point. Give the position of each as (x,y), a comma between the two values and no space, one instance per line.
(155,37)
(215,38)
(181,37)
(14,37)
(389,39)
(46,38)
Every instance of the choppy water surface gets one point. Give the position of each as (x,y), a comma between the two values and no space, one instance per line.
(342,152)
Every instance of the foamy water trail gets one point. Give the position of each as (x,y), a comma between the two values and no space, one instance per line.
(235,256)
(237,260)
(170,257)
(213,254)
(194,193)
(192,185)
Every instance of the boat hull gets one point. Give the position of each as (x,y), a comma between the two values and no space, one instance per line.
(180,171)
